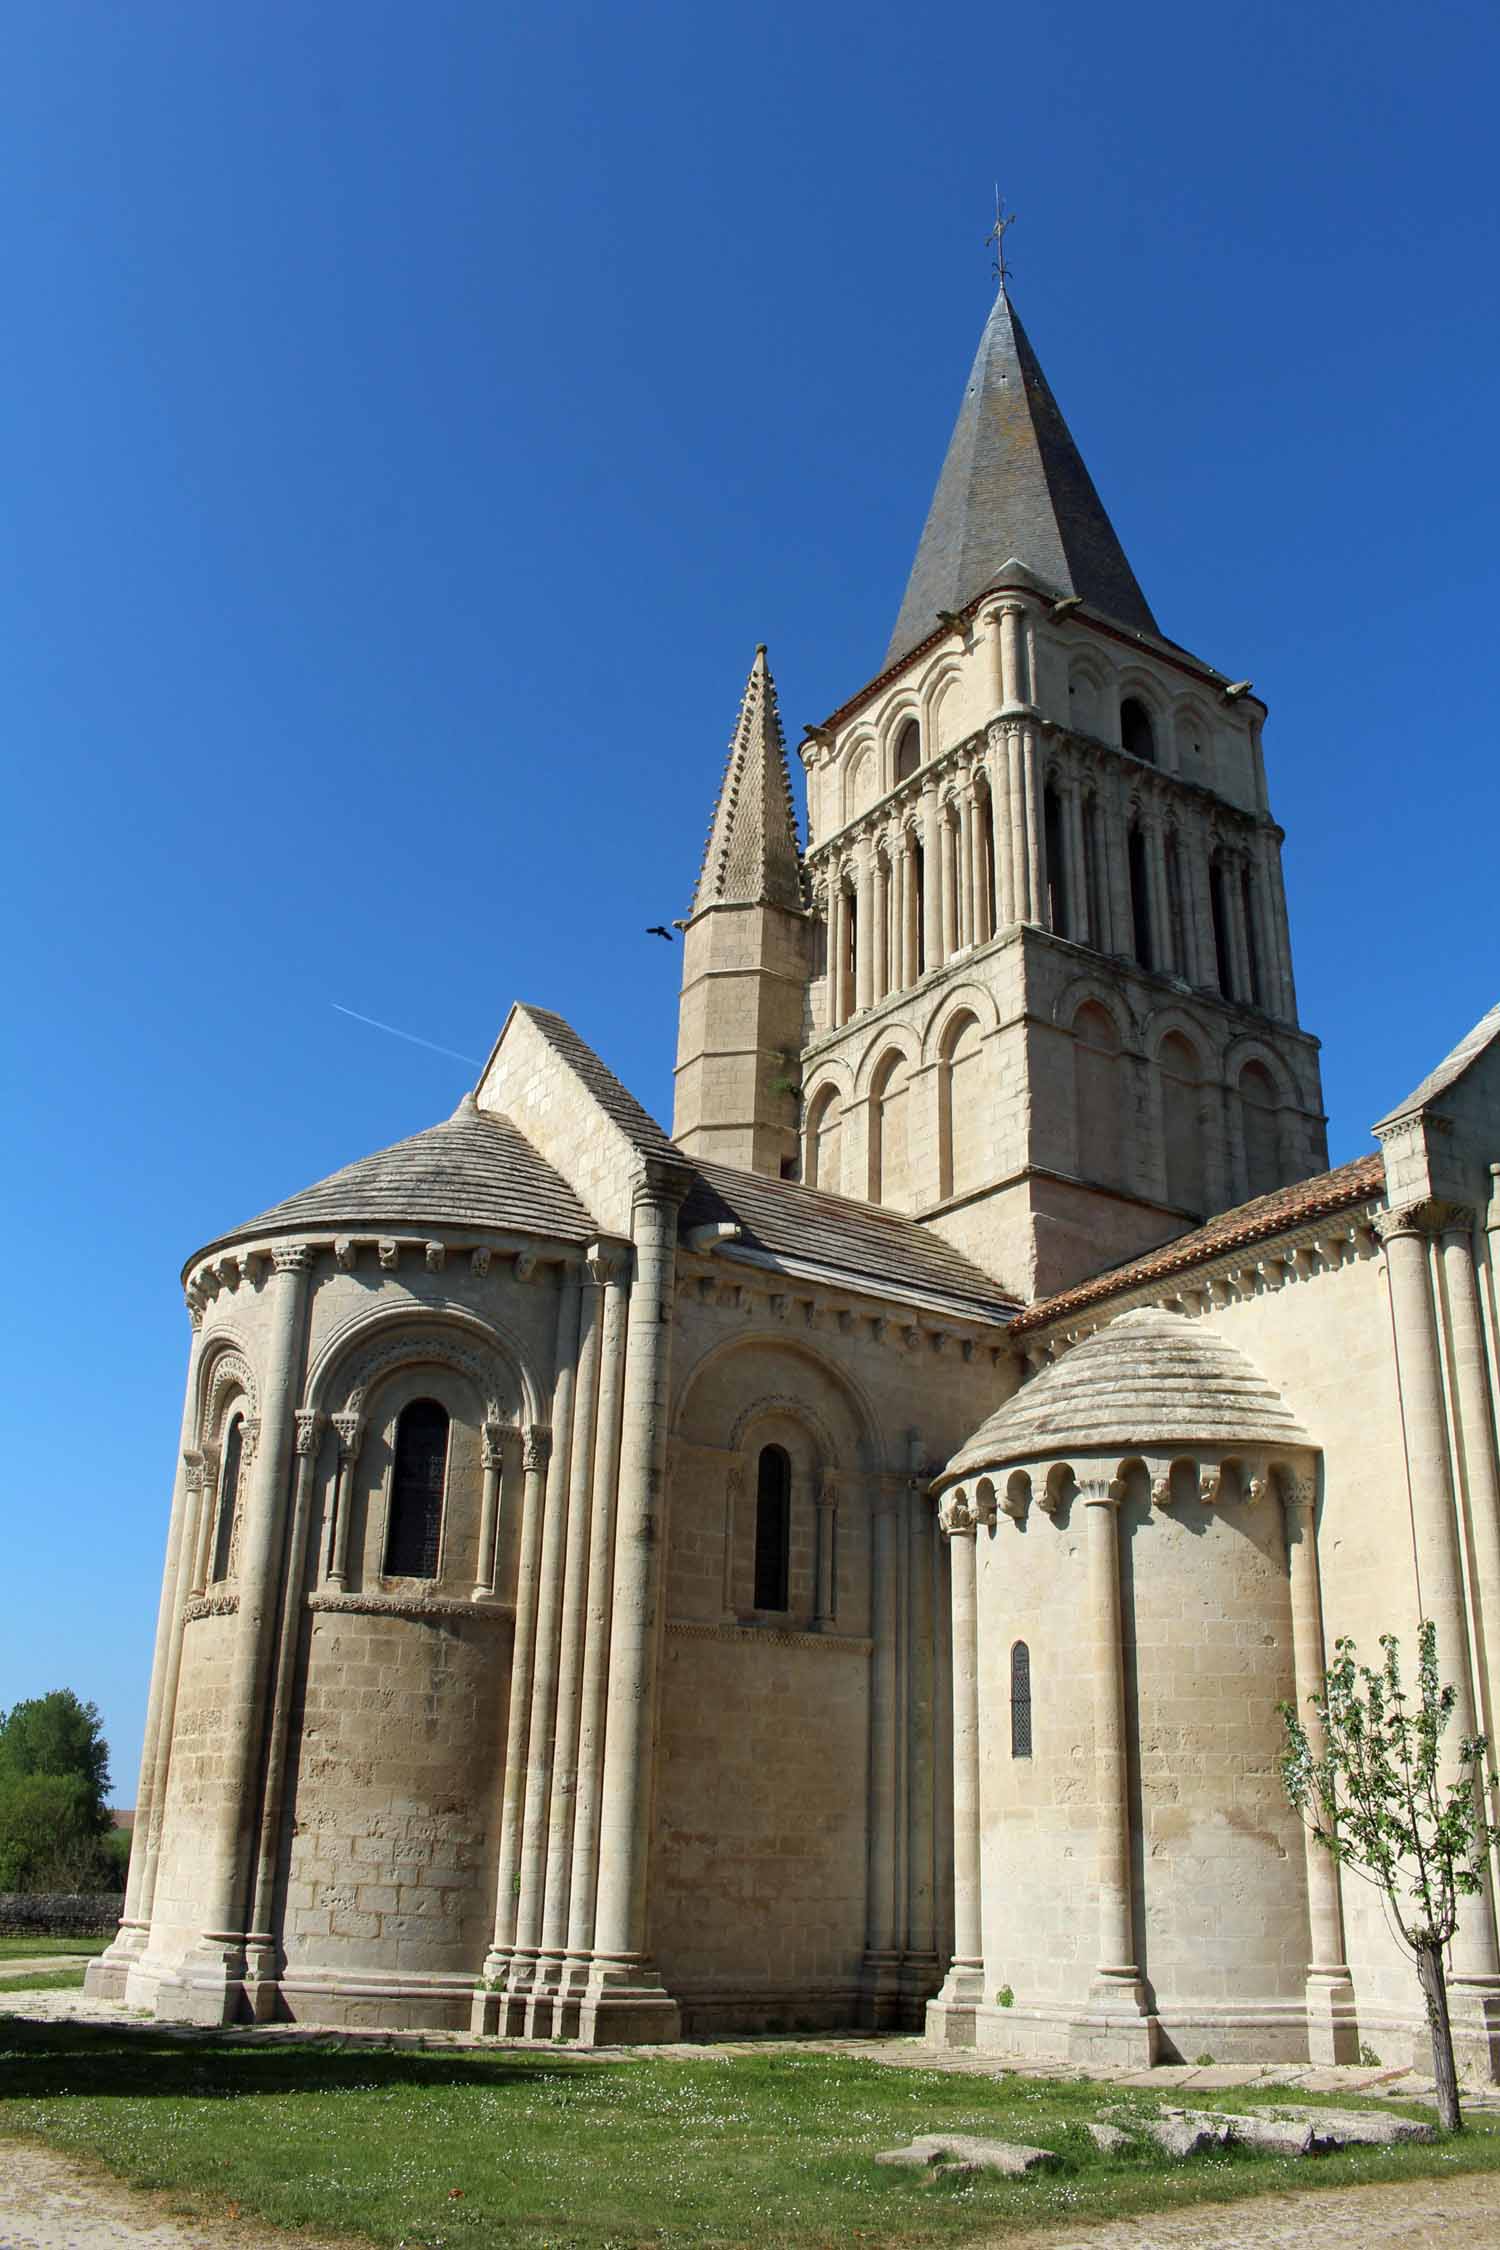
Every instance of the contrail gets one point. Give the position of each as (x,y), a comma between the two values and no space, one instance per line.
(376,1025)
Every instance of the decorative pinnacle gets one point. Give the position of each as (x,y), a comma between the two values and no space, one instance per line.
(752,856)
(1003,220)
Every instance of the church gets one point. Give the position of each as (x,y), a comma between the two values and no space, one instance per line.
(837,1564)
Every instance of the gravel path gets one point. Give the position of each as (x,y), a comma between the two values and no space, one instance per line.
(47,2202)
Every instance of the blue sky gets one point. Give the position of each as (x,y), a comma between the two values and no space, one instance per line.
(414,416)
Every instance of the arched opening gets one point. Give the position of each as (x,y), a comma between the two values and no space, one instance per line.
(1140,902)
(1096,1094)
(1093,874)
(1176,917)
(1218,904)
(985,898)
(414,1523)
(908,751)
(1252,940)
(961,1107)
(863,786)
(1020,1701)
(888,1135)
(229,1498)
(1057,881)
(823,1163)
(773,1528)
(1137,735)
(1258,1108)
(919,905)
(1182,1123)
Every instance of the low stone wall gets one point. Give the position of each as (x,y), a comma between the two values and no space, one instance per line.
(60,1913)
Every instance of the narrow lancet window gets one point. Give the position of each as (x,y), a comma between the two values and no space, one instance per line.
(1020,1701)
(1057,887)
(1136,732)
(415,1525)
(1140,908)
(229,1498)
(908,751)
(773,1529)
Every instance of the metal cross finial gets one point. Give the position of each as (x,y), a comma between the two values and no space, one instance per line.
(1003,220)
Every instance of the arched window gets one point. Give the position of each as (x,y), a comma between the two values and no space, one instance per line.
(1137,735)
(773,1529)
(985,900)
(1093,874)
(888,1098)
(1096,1093)
(1020,1701)
(1182,1123)
(1258,1107)
(229,1497)
(908,751)
(1140,903)
(1057,887)
(415,1522)
(1218,903)
(962,1109)
(919,902)
(824,1164)
(1176,917)
(1257,991)
(863,786)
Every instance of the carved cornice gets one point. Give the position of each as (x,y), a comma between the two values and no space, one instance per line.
(422,1609)
(209,1605)
(1431,1217)
(831,1644)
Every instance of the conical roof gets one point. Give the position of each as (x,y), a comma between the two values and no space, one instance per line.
(1150,1380)
(1014,488)
(475,1169)
(752,857)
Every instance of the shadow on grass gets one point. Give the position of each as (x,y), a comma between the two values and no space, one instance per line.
(45,2061)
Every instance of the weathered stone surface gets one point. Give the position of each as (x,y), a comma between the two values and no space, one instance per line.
(968,2152)
(1188,2133)
(1108,2138)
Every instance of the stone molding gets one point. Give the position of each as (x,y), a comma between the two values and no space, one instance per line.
(422,1607)
(209,1605)
(1431,1217)
(780,1636)
(973,1499)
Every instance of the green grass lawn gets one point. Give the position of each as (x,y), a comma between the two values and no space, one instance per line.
(45,1980)
(463,2150)
(35,1948)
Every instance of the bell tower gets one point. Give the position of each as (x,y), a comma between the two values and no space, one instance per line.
(1052,1007)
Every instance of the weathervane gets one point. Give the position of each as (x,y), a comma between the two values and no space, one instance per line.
(1003,220)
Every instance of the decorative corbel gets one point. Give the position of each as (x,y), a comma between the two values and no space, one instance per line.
(435,1256)
(389,1254)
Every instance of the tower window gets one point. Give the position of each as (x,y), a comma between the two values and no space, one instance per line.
(1020,1701)
(1137,735)
(1140,908)
(1057,889)
(773,1529)
(1219,910)
(414,1531)
(1257,991)
(229,1497)
(908,751)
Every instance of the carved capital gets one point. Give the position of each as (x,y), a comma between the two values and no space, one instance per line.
(955,1517)
(249,1440)
(292,1257)
(828,1490)
(1299,1496)
(664,1180)
(1100,1491)
(536,1449)
(602,1262)
(491,1444)
(193,1467)
(351,1430)
(1432,1217)
(309,1430)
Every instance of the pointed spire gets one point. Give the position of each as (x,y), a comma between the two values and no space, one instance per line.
(752,856)
(1014,488)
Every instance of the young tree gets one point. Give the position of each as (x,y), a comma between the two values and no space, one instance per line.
(1371,1781)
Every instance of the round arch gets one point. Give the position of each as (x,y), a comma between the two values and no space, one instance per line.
(378,1343)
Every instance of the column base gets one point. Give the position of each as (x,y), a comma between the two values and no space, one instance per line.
(1332,2017)
(108,1977)
(881,1998)
(951,2020)
(625,2004)
(262,1987)
(1118,2026)
(542,2001)
(208,1988)
(1474,2014)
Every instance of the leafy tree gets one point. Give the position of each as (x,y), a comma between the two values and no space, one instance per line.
(1375,1788)
(54,1775)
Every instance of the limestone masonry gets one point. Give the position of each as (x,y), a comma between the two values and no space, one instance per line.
(838,1565)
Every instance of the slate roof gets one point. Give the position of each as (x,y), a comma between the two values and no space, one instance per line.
(1257,1221)
(752,854)
(877,1249)
(475,1169)
(1014,487)
(1150,1379)
(1450,1069)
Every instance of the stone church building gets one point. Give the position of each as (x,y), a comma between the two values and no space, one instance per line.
(838,1564)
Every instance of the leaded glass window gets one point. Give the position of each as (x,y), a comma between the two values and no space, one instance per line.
(415,1522)
(1020,1701)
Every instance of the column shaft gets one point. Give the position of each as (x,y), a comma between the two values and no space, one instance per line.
(536,1452)
(932,880)
(864,931)
(1117,1962)
(1080,906)
(1001,818)
(1036,856)
(1330,1994)
(949,855)
(881,891)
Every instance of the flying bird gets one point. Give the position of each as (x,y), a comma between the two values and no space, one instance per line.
(656,930)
